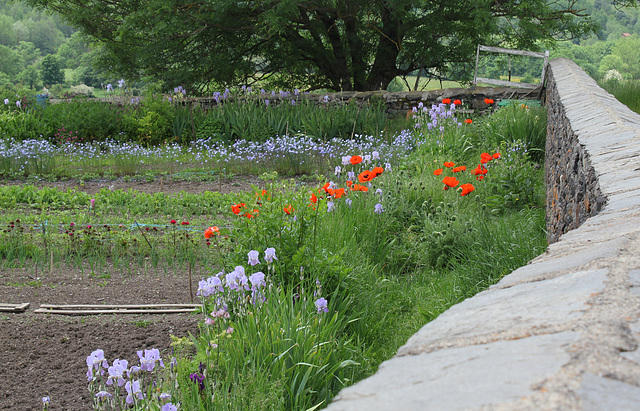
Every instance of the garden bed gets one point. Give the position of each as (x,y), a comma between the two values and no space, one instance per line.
(45,354)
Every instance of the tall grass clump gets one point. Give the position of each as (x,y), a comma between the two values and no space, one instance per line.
(626,91)
(518,122)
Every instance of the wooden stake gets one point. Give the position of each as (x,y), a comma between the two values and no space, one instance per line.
(190,286)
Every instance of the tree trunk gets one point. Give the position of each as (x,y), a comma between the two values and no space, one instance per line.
(384,68)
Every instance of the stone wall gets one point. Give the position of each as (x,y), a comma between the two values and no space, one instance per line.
(573,192)
(561,333)
(401,102)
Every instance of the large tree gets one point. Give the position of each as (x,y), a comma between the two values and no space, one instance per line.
(336,44)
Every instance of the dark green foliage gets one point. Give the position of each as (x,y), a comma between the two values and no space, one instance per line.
(51,71)
(346,45)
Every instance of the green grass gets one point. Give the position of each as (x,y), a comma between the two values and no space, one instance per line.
(384,275)
(626,91)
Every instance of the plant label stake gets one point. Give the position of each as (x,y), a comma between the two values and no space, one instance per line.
(144,235)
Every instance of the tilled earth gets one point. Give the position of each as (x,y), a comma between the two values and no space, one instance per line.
(45,354)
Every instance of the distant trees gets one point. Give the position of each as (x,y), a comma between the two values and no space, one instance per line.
(342,44)
(51,72)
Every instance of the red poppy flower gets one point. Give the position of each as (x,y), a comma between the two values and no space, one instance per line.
(173,221)
(485,158)
(358,187)
(349,183)
(457,102)
(211,231)
(449,164)
(314,199)
(185,223)
(488,101)
(438,172)
(236,208)
(325,187)
(450,182)
(480,178)
(355,160)
(468,121)
(446,101)
(377,171)
(480,170)
(466,189)
(496,155)
(458,169)
(365,176)
(289,209)
(248,215)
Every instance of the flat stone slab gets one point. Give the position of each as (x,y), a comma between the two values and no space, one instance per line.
(598,394)
(634,355)
(563,262)
(512,312)
(460,378)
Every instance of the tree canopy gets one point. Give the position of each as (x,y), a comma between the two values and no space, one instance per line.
(334,44)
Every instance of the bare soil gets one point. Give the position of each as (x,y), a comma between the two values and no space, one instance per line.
(45,354)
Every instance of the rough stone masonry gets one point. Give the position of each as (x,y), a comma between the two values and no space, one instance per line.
(561,333)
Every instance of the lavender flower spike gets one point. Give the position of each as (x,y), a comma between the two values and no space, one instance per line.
(116,372)
(96,360)
(321,305)
(254,257)
(270,255)
(148,359)
(133,389)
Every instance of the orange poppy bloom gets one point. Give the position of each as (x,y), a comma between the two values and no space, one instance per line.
(438,172)
(466,189)
(355,160)
(289,209)
(458,169)
(450,182)
(468,121)
(488,101)
(236,208)
(377,171)
(457,102)
(496,155)
(211,231)
(248,215)
(358,187)
(325,187)
(446,101)
(485,158)
(338,193)
(365,176)
(480,177)
(449,164)
(349,183)
(314,199)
